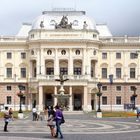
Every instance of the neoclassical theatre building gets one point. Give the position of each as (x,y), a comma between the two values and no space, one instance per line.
(70,43)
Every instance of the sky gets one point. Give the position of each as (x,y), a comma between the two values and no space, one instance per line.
(121,16)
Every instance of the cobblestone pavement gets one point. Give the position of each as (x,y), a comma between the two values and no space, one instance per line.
(77,127)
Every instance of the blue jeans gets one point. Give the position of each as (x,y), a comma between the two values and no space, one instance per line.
(58,128)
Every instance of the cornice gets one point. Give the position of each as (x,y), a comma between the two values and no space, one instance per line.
(12,43)
(64,41)
(120,44)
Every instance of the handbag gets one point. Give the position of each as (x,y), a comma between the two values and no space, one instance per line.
(62,120)
(51,123)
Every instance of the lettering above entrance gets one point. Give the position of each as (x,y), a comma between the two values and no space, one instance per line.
(63,24)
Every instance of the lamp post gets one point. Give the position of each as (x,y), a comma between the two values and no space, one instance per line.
(20,95)
(134,97)
(99,94)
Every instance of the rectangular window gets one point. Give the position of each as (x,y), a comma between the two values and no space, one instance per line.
(50,71)
(23,72)
(104,88)
(118,88)
(118,73)
(64,71)
(9,72)
(9,100)
(118,55)
(77,71)
(9,88)
(132,88)
(9,55)
(104,55)
(118,100)
(132,72)
(133,55)
(23,55)
(34,72)
(104,100)
(92,72)
(104,73)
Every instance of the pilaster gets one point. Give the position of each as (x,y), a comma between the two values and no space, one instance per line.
(70,99)
(41,98)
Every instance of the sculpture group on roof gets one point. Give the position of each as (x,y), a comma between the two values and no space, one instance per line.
(63,24)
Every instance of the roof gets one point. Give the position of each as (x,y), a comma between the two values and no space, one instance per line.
(103,30)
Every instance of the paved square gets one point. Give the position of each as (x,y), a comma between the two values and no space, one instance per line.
(77,127)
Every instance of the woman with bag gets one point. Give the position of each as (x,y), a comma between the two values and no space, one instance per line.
(51,122)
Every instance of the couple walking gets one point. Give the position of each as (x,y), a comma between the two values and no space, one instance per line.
(55,118)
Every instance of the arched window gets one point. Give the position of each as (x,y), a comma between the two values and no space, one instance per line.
(32,52)
(49,52)
(77,52)
(63,52)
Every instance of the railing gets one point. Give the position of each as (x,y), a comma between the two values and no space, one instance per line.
(70,77)
(124,39)
(12,39)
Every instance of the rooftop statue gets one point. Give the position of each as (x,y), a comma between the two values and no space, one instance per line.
(41,24)
(63,24)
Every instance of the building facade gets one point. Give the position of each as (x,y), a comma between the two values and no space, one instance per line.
(72,44)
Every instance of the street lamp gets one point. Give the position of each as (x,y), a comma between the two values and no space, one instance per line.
(99,94)
(20,95)
(134,97)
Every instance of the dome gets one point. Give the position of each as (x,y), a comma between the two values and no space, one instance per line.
(49,20)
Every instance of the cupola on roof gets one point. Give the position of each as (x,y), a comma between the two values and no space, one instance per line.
(63,19)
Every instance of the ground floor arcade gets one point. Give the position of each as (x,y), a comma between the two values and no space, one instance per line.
(79,99)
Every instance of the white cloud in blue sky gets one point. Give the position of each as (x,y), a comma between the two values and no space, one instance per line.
(122,16)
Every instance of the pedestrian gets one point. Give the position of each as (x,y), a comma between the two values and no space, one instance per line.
(138,113)
(45,113)
(11,114)
(6,119)
(34,112)
(49,110)
(51,122)
(58,118)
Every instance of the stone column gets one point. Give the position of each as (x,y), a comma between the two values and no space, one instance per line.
(41,98)
(70,99)
(70,68)
(85,99)
(42,63)
(84,62)
(56,64)
(97,71)
(55,92)
(38,63)
(88,66)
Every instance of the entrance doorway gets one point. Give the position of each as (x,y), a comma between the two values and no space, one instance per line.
(48,100)
(92,104)
(77,102)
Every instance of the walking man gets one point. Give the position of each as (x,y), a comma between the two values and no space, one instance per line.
(6,119)
(58,119)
